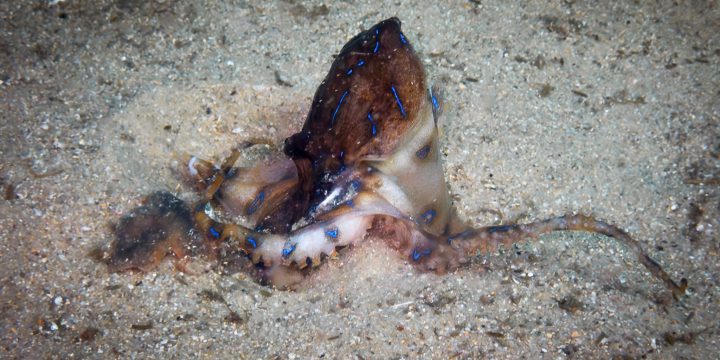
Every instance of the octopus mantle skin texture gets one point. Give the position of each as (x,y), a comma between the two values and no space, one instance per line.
(366,163)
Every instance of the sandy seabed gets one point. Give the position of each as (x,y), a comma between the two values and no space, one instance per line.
(606,108)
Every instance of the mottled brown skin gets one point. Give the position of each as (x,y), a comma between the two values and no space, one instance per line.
(335,136)
(143,237)
(369,91)
(365,161)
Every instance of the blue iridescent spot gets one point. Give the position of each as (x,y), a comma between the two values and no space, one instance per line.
(373,128)
(332,232)
(214,232)
(397,100)
(377,40)
(342,160)
(255,204)
(342,98)
(423,152)
(251,241)
(288,250)
(349,71)
(501,228)
(350,203)
(416,255)
(355,185)
(361,63)
(435,104)
(458,235)
(402,38)
(428,216)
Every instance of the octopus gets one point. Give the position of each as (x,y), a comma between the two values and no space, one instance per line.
(366,163)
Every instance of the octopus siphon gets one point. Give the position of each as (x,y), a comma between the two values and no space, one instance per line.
(365,164)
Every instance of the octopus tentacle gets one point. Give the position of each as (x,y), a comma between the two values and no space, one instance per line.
(368,159)
(486,240)
(263,196)
(304,247)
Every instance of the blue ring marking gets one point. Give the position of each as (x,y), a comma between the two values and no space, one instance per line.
(423,152)
(349,71)
(397,100)
(355,185)
(255,204)
(428,216)
(377,40)
(416,255)
(458,235)
(434,100)
(501,228)
(332,232)
(350,203)
(361,63)
(251,241)
(342,160)
(337,108)
(372,123)
(402,38)
(287,251)
(214,232)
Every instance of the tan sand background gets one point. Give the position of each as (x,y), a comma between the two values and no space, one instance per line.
(608,108)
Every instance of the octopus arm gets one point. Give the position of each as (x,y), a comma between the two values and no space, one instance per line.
(486,240)
(264,196)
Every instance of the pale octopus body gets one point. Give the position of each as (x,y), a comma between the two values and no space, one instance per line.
(366,161)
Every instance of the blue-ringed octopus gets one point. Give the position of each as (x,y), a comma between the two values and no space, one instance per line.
(366,163)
